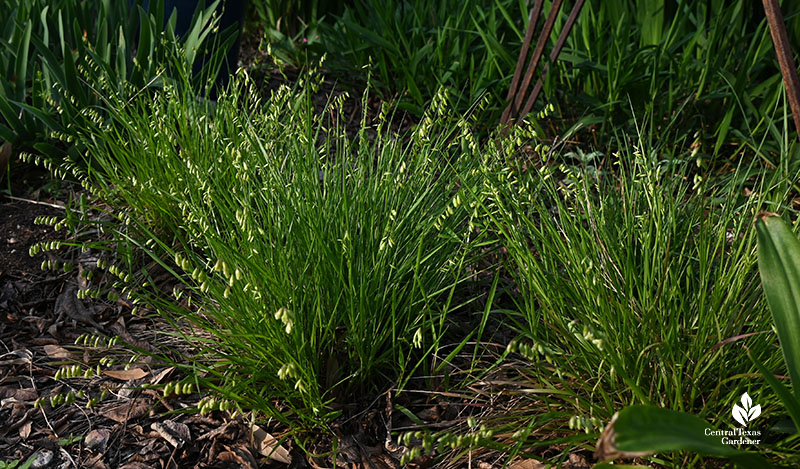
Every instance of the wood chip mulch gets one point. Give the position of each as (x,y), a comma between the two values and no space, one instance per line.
(40,318)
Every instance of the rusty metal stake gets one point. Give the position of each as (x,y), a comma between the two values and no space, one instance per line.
(519,94)
(516,95)
(780,39)
(562,39)
(533,19)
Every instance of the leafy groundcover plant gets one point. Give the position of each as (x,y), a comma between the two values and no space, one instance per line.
(316,266)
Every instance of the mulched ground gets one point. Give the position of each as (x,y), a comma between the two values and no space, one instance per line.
(131,428)
(41,316)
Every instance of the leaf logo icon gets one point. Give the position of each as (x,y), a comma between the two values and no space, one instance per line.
(740,415)
(747,412)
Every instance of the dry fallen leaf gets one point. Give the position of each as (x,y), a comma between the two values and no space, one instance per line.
(125,375)
(267,445)
(25,430)
(97,439)
(121,413)
(15,403)
(176,433)
(527,464)
(222,430)
(96,462)
(577,460)
(68,303)
(23,358)
(161,375)
(135,465)
(606,449)
(56,351)
(239,456)
(26,395)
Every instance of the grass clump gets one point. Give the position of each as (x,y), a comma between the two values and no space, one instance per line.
(634,286)
(319,265)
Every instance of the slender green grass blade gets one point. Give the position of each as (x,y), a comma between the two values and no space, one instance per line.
(39,114)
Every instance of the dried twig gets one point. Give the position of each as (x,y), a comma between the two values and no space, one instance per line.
(61,207)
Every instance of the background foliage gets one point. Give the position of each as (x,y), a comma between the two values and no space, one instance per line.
(711,62)
(62,61)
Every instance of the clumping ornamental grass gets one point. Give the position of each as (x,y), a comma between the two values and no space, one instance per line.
(635,287)
(317,265)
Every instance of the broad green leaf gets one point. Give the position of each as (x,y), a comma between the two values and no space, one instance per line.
(370,36)
(7,113)
(121,65)
(70,68)
(6,134)
(39,114)
(157,10)
(47,149)
(200,29)
(413,89)
(779,265)
(145,48)
(788,399)
(649,429)
(722,130)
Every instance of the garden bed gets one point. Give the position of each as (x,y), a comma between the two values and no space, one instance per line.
(315,270)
